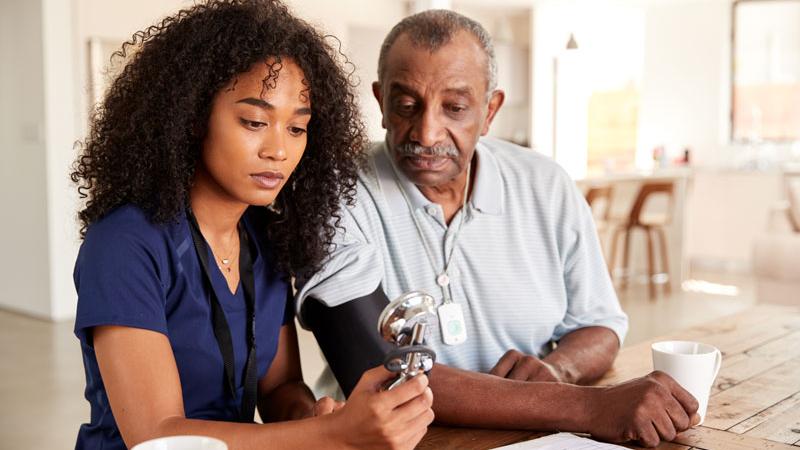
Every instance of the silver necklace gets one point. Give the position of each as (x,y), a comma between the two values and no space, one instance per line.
(226,261)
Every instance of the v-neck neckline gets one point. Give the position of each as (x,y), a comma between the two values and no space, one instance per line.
(220,278)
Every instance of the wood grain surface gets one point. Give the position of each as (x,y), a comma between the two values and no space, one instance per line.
(755,400)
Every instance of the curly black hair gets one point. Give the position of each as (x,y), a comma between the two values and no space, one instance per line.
(146,136)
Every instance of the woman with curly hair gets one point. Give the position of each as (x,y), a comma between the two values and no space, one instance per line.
(213,171)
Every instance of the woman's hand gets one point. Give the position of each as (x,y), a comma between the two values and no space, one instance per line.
(375,419)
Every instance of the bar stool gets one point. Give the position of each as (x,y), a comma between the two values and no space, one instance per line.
(653,225)
(599,200)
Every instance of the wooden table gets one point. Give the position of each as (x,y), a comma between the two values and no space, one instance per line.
(755,400)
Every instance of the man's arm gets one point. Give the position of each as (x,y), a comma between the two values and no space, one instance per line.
(581,357)
(646,409)
(473,399)
(584,355)
(348,335)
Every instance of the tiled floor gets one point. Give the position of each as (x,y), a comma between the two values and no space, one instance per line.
(41,392)
(683,309)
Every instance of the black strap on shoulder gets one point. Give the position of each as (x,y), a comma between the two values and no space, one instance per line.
(348,335)
(222,331)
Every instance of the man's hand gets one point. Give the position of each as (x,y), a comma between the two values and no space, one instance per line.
(516,365)
(648,409)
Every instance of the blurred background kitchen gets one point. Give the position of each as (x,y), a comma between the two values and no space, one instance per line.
(679,120)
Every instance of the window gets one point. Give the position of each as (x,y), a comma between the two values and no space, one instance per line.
(766,71)
(613,123)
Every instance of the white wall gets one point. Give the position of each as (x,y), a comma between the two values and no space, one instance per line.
(113,21)
(37,116)
(24,274)
(61,118)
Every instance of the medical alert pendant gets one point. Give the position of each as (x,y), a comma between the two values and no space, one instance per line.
(451,321)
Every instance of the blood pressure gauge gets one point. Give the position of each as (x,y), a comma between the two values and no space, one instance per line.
(404,323)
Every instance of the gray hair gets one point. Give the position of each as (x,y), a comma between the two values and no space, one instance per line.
(435,28)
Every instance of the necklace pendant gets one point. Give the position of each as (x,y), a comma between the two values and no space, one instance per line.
(226,261)
(443,280)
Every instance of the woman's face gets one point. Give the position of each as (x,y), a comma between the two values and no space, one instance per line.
(256,134)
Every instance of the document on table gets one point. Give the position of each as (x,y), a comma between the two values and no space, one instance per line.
(561,441)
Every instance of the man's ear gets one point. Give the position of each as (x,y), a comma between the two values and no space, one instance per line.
(378,93)
(495,102)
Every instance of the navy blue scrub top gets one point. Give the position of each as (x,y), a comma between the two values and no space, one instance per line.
(134,273)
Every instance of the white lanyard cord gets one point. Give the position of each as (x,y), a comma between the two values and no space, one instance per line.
(442,279)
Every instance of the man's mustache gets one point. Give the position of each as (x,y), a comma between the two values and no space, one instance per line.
(411,149)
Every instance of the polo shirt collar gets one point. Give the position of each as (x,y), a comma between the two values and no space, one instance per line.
(487,196)
(488,193)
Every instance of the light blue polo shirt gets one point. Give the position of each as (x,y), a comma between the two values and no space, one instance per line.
(527,266)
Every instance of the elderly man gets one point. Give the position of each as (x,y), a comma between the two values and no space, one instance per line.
(504,241)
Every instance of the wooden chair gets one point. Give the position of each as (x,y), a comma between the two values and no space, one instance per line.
(653,225)
(599,194)
(599,200)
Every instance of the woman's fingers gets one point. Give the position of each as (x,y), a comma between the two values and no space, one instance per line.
(418,434)
(372,380)
(405,391)
(415,407)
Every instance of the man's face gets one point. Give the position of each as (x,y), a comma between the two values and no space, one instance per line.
(435,107)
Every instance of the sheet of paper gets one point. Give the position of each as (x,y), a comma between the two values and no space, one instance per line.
(561,441)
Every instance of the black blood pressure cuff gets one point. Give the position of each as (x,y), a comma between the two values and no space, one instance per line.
(348,335)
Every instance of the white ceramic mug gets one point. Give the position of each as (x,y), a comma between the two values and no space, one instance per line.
(182,443)
(693,365)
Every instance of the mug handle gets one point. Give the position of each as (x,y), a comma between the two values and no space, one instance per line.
(717,364)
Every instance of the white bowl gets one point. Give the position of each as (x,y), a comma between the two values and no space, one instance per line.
(182,443)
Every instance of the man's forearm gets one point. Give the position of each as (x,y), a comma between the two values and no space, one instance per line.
(480,400)
(585,355)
